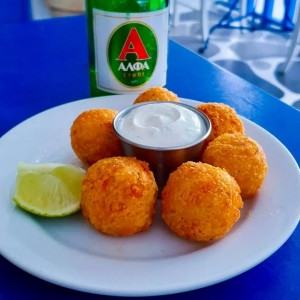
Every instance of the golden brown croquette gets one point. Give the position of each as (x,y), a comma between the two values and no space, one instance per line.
(200,202)
(92,135)
(119,195)
(223,119)
(242,157)
(156,94)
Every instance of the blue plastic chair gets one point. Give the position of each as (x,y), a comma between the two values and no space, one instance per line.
(294,46)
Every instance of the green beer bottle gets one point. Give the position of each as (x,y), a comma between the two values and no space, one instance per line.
(128,45)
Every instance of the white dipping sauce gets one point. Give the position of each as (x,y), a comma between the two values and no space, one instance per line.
(161,124)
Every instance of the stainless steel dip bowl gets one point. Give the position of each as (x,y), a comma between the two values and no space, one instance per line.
(162,160)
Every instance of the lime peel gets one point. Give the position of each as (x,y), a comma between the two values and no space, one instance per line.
(50,189)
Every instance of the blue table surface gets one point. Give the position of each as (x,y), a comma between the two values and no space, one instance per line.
(45,63)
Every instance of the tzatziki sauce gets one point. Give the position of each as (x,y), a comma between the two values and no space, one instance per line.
(161,124)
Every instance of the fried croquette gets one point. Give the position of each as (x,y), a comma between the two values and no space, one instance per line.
(156,94)
(200,202)
(242,157)
(223,119)
(92,136)
(119,195)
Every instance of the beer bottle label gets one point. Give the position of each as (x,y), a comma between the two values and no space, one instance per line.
(130,50)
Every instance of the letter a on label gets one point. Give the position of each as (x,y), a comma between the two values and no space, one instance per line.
(133,44)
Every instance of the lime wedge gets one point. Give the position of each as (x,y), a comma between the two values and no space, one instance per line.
(50,190)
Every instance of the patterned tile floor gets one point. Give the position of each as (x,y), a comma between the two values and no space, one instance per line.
(253,56)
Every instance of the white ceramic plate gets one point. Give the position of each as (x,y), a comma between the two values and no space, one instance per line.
(69,252)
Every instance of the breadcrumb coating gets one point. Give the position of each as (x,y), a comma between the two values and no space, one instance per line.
(224,119)
(200,202)
(119,195)
(92,135)
(156,94)
(242,157)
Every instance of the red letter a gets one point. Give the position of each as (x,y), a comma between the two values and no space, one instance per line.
(134,44)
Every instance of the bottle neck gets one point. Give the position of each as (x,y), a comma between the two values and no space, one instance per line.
(127,5)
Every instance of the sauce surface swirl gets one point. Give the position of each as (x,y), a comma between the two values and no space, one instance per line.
(162,124)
